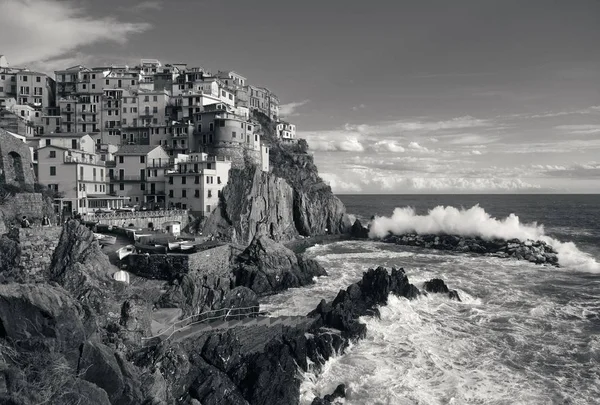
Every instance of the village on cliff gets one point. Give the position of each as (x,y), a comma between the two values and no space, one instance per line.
(149,137)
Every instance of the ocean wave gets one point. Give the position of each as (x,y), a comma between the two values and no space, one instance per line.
(476,222)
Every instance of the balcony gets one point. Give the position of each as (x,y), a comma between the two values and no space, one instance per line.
(123,179)
(159,165)
(79,159)
(156,192)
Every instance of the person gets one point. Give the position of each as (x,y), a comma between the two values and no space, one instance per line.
(25,222)
(45,221)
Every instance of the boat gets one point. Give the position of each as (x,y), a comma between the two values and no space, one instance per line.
(105,239)
(137,236)
(173,245)
(125,251)
(121,276)
(186,246)
(141,248)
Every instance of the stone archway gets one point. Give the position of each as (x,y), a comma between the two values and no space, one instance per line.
(15,171)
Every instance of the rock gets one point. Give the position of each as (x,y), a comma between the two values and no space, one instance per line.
(340,392)
(534,251)
(136,319)
(240,297)
(80,266)
(47,316)
(98,365)
(267,267)
(359,231)
(437,285)
(82,392)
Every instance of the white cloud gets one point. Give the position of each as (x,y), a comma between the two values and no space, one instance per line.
(53,29)
(582,129)
(415,146)
(338,185)
(289,110)
(358,107)
(590,110)
(388,146)
(476,152)
(418,125)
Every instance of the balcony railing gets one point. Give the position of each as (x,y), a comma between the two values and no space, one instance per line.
(117,178)
(158,165)
(155,192)
(78,159)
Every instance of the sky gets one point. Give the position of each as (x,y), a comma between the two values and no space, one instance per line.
(419,96)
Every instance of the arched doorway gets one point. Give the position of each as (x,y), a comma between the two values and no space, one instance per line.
(15,172)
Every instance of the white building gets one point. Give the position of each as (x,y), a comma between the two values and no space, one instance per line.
(196,182)
(79,175)
(286,131)
(139,173)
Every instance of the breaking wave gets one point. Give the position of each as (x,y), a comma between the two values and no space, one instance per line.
(476,222)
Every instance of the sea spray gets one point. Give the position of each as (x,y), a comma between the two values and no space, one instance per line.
(476,222)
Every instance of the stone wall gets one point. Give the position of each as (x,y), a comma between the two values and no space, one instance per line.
(212,262)
(141,219)
(15,161)
(31,204)
(37,246)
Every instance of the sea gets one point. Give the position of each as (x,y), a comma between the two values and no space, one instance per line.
(523,333)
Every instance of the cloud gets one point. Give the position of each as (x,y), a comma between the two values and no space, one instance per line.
(583,129)
(339,185)
(589,110)
(388,146)
(54,28)
(392,127)
(476,152)
(419,148)
(289,110)
(358,107)
(150,5)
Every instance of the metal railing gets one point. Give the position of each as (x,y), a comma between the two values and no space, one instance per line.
(137,214)
(215,314)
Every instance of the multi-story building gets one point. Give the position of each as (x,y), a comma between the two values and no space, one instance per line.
(196,181)
(261,99)
(139,173)
(80,175)
(286,131)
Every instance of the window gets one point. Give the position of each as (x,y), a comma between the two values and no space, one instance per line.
(221,123)
(211,127)
(197,193)
(146,98)
(183,194)
(121,157)
(143,186)
(209,193)
(52,154)
(155,98)
(199,125)
(47,142)
(52,170)
(24,78)
(233,134)
(142,159)
(171,193)
(207,179)
(208,208)
(38,79)
(183,180)
(1,89)
(124,110)
(107,82)
(95,188)
(170,179)
(121,186)
(230,96)
(155,120)
(155,110)
(218,179)
(133,82)
(197,180)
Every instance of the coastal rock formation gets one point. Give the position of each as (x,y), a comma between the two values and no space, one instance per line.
(359,231)
(533,251)
(267,267)
(292,200)
(437,285)
(339,392)
(259,364)
(253,202)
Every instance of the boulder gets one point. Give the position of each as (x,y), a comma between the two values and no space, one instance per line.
(39,314)
(339,392)
(359,231)
(437,285)
(267,267)
(136,319)
(99,365)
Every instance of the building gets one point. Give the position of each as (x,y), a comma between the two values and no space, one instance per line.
(78,174)
(139,173)
(286,131)
(262,100)
(196,181)
(25,87)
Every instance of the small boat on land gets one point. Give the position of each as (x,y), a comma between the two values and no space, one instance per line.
(105,239)
(121,276)
(152,249)
(184,247)
(137,236)
(125,251)
(173,245)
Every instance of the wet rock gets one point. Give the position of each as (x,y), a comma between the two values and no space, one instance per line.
(267,267)
(537,252)
(359,231)
(329,399)
(136,319)
(437,285)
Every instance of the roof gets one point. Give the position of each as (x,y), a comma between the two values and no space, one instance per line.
(136,150)
(55,147)
(64,135)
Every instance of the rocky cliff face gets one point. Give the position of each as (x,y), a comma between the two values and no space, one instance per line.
(292,200)
(253,202)
(267,267)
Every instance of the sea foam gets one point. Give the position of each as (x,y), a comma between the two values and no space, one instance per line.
(476,222)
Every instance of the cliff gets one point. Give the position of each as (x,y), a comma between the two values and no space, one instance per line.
(292,200)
